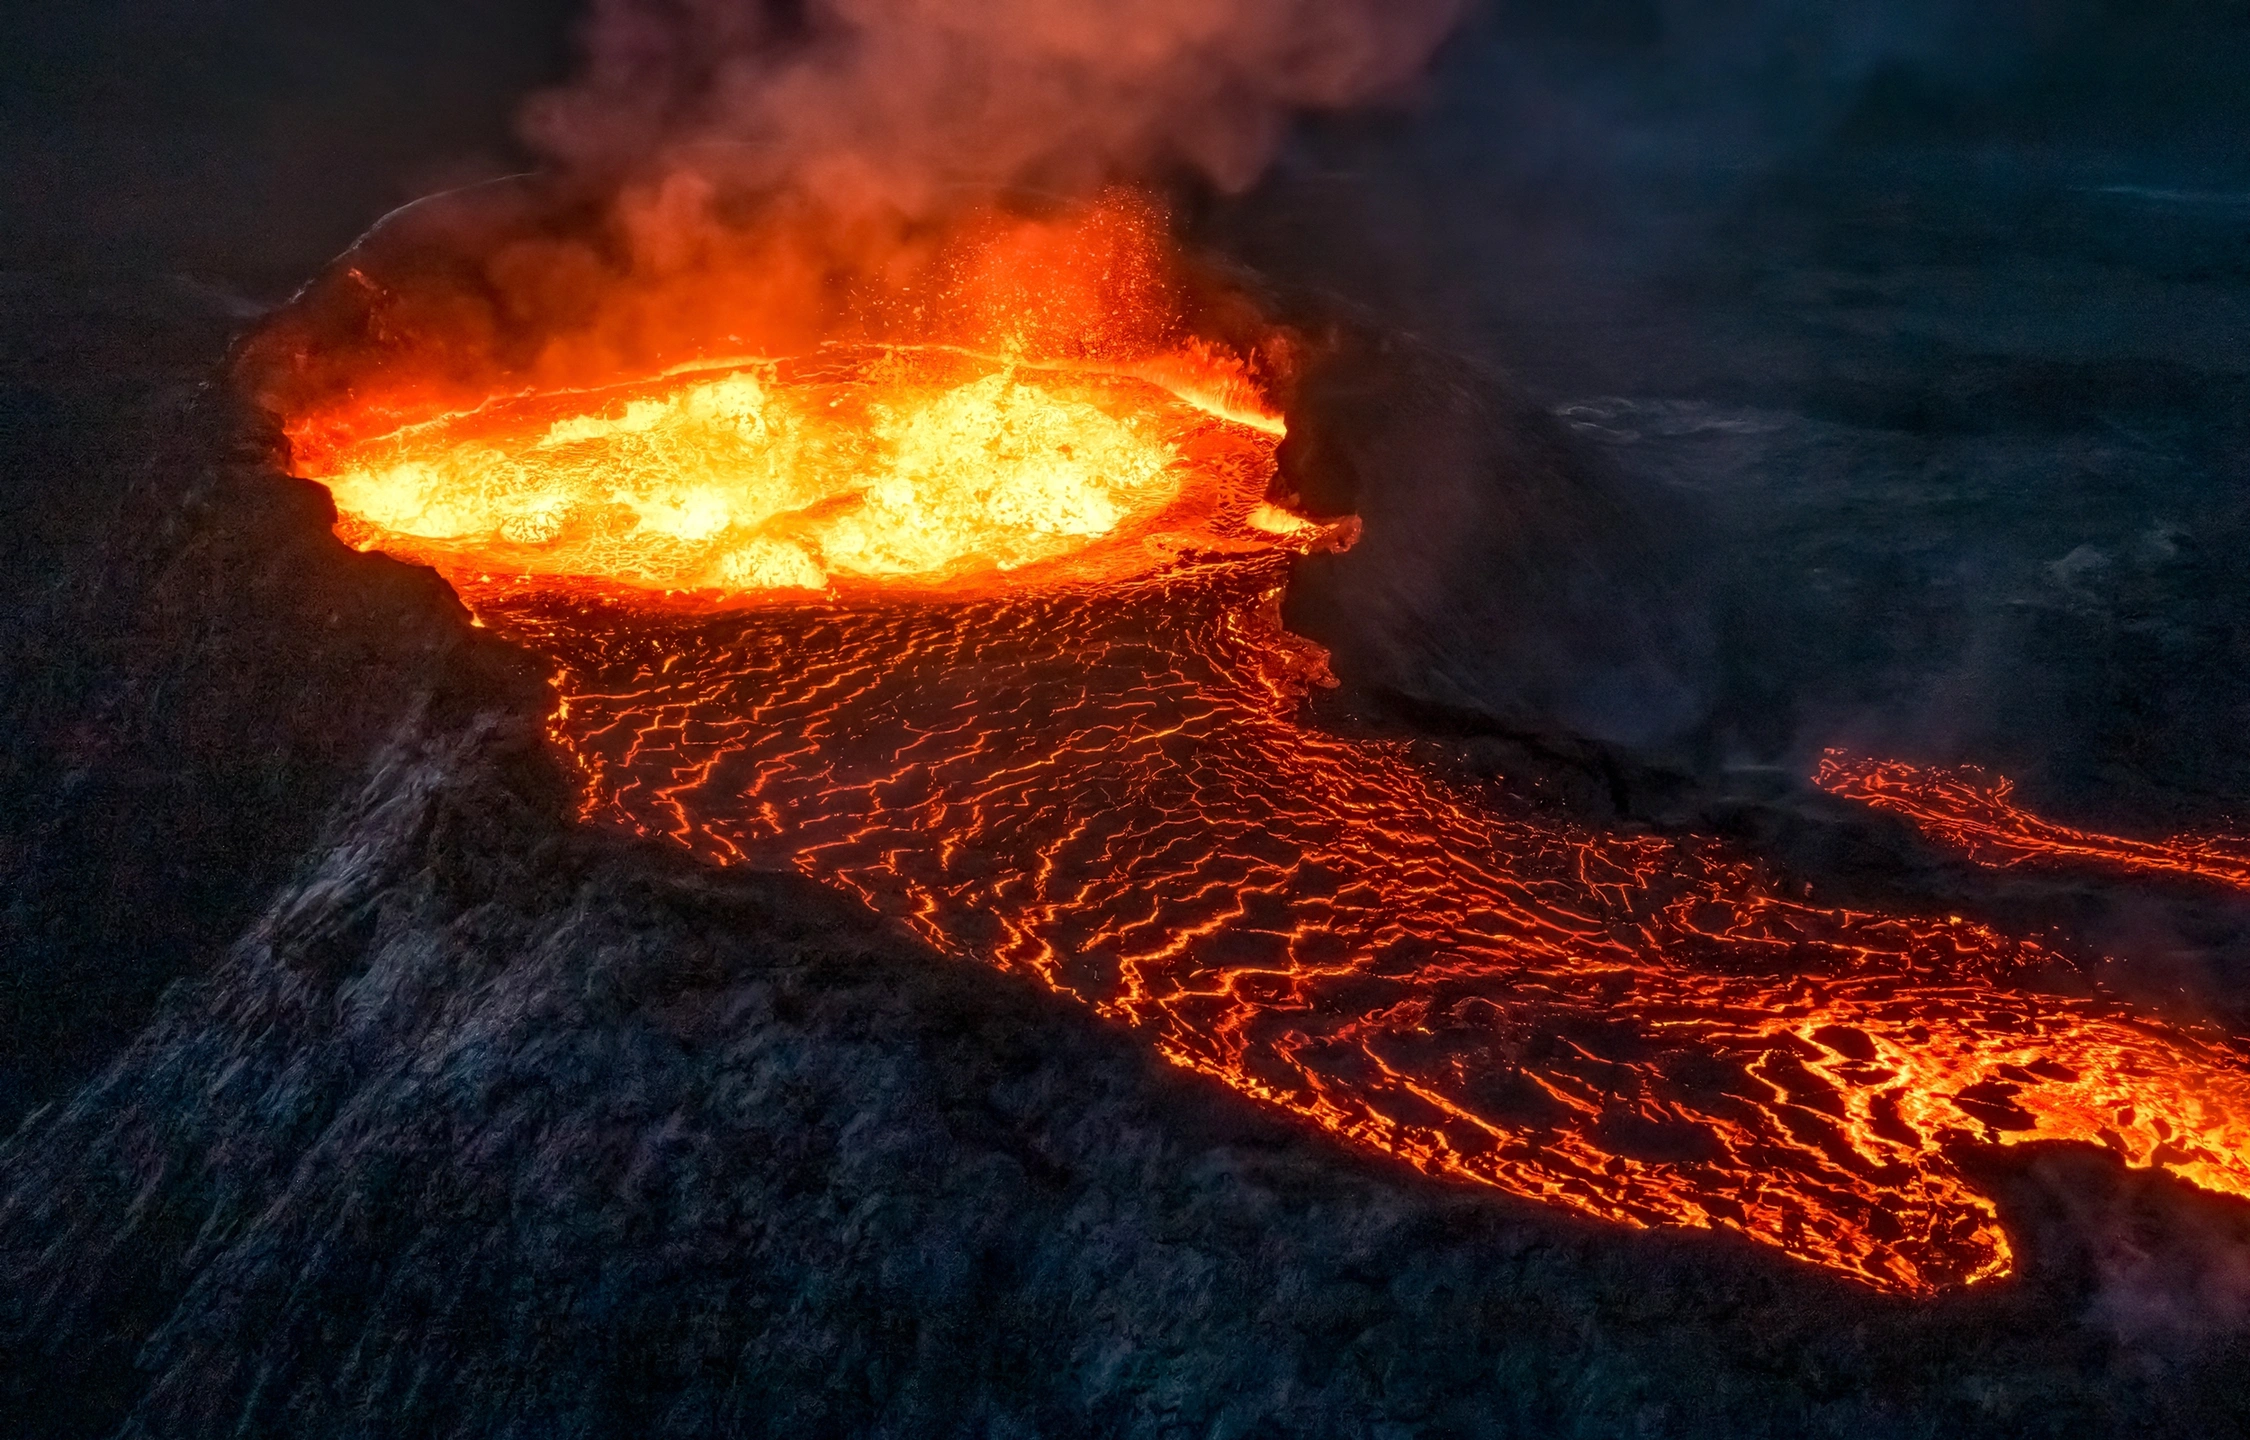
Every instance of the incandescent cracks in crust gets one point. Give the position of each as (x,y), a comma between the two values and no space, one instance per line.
(989,636)
(1081,759)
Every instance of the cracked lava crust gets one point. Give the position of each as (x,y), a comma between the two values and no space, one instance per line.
(994,643)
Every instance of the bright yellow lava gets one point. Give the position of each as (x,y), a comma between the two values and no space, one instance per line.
(753,480)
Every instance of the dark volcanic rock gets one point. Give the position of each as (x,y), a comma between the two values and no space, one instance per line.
(195,670)
(1504,574)
(487,1124)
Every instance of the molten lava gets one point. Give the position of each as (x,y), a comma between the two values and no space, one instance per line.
(993,642)
(1972,812)
(923,467)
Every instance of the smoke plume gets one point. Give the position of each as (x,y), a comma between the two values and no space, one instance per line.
(897,102)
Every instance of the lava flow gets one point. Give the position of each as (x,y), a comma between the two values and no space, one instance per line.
(994,643)
(1973,812)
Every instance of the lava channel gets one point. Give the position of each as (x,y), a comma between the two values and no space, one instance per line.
(997,648)
(1974,812)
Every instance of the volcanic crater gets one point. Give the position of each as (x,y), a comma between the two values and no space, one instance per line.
(614,1012)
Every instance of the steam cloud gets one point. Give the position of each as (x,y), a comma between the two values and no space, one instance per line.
(896,101)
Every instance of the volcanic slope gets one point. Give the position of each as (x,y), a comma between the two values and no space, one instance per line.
(491,1123)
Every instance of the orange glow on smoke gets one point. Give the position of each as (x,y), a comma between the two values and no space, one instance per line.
(1972,812)
(987,633)
(1045,402)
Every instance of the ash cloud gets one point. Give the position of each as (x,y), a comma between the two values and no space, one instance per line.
(896,102)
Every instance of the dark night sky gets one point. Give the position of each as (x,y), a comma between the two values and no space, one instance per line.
(252,137)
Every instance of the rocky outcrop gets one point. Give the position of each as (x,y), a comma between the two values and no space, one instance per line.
(195,671)
(1504,576)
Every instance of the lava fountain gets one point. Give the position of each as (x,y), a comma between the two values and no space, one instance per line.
(960,591)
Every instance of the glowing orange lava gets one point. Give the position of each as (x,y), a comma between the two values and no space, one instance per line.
(878,464)
(1972,811)
(993,642)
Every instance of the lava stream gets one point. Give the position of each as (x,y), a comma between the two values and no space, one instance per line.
(1972,812)
(1071,748)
